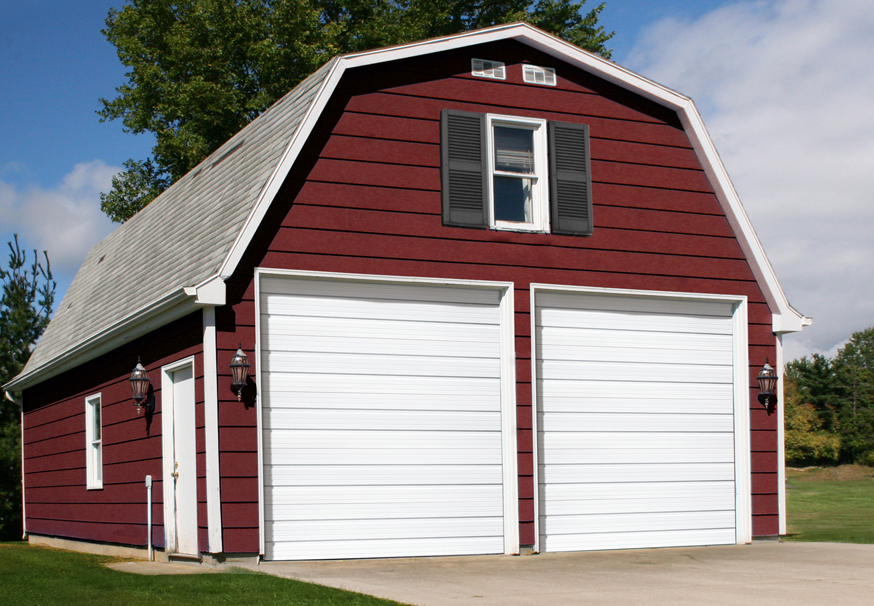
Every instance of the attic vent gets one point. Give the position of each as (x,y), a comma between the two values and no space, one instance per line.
(487,69)
(538,75)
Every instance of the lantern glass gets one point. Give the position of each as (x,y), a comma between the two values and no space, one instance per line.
(240,369)
(139,381)
(767,379)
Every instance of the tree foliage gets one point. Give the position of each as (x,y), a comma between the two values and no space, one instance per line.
(832,401)
(28,293)
(200,70)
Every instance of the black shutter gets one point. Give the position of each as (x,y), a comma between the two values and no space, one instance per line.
(570,179)
(463,168)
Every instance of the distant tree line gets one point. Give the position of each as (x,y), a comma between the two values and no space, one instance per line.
(829,415)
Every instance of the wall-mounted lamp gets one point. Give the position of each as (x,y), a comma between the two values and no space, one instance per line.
(767,379)
(139,382)
(240,370)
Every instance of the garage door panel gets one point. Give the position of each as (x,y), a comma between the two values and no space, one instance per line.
(639,472)
(611,422)
(364,310)
(639,540)
(400,420)
(582,456)
(635,421)
(480,344)
(661,521)
(353,290)
(381,419)
(349,400)
(289,503)
(631,390)
(368,386)
(401,364)
(639,373)
(326,550)
(717,494)
(573,340)
(637,322)
(484,442)
(372,455)
(630,303)
(412,528)
(629,355)
(586,441)
(381,474)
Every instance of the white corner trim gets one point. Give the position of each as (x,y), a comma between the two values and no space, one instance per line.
(535,426)
(23,487)
(259,423)
(211,423)
(742,468)
(781,440)
(791,321)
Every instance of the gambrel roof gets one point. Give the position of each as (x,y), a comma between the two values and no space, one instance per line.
(175,254)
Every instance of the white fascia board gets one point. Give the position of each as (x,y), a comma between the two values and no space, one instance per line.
(211,291)
(144,320)
(786,318)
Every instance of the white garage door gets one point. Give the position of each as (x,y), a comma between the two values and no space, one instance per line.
(381,420)
(636,424)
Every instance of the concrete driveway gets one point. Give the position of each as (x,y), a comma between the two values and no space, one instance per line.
(768,573)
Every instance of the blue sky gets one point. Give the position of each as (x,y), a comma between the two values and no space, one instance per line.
(784,87)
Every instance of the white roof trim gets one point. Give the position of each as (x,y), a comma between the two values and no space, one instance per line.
(785,318)
(170,307)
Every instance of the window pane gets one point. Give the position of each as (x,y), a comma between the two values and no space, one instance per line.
(95,407)
(512,199)
(514,149)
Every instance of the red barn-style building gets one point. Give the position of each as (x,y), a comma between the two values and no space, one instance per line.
(498,295)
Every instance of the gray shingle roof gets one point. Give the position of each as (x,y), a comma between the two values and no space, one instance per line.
(182,237)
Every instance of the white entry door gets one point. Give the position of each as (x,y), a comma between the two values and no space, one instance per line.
(180,460)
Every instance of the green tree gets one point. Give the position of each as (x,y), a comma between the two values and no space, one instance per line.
(200,70)
(805,440)
(814,382)
(854,372)
(28,294)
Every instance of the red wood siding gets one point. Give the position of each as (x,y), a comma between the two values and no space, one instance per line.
(58,504)
(365,198)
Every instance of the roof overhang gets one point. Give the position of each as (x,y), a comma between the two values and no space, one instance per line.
(784,317)
(176,304)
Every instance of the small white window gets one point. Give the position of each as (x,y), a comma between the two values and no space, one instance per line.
(517,164)
(93,443)
(484,68)
(538,75)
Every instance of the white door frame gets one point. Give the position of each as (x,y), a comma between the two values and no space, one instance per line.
(741,381)
(508,383)
(168,434)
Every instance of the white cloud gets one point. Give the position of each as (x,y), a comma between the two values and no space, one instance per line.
(64,220)
(785,88)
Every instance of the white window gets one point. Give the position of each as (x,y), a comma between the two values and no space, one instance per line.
(518,165)
(93,443)
(538,75)
(484,68)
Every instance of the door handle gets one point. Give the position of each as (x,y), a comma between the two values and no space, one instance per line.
(175,473)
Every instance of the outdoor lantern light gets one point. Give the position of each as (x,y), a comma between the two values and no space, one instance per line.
(139,382)
(767,379)
(240,369)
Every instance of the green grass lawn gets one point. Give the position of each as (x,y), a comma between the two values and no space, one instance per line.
(831,504)
(40,576)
